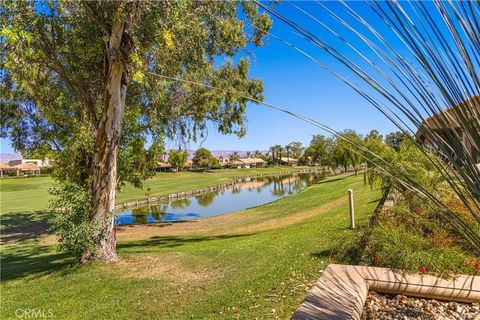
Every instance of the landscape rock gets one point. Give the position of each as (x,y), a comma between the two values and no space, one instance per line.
(382,307)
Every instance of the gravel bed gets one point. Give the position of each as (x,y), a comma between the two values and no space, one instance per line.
(379,306)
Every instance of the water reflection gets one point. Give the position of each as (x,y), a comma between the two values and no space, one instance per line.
(242,195)
(206,199)
(181,203)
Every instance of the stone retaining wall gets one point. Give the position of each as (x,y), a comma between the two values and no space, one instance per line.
(341,291)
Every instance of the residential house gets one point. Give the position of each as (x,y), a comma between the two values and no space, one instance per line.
(242,163)
(163,166)
(223,161)
(253,162)
(38,162)
(448,122)
(288,161)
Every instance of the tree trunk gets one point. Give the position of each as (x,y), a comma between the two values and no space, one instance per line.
(106,149)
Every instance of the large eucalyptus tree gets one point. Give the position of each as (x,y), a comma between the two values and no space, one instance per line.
(88,81)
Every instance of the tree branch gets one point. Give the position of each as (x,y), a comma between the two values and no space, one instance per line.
(98,20)
(53,63)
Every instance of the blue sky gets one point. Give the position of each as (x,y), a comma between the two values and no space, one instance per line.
(294,82)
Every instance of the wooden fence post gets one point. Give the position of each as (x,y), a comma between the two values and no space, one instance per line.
(352,210)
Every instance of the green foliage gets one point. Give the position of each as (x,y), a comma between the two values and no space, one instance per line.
(409,161)
(57,60)
(276,154)
(194,34)
(137,163)
(74,163)
(319,151)
(70,219)
(395,139)
(54,82)
(415,234)
(396,246)
(306,157)
(203,158)
(377,152)
(234,156)
(334,152)
(177,158)
(295,149)
(373,135)
(414,237)
(347,153)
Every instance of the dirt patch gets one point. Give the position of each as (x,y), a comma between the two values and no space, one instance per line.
(174,268)
(290,219)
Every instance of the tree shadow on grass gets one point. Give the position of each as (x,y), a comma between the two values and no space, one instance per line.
(20,226)
(21,253)
(153,225)
(33,261)
(173,241)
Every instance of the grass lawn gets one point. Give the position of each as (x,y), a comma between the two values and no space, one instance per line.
(257,263)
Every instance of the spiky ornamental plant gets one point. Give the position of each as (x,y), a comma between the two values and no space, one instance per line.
(414,59)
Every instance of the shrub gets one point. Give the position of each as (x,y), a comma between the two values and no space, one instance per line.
(411,236)
(395,246)
(70,219)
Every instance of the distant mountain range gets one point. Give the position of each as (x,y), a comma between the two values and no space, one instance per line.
(6,157)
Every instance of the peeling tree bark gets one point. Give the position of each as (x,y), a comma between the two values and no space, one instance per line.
(106,145)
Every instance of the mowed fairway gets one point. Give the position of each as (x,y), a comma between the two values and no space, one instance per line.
(257,263)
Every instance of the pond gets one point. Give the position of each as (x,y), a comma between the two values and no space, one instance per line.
(242,195)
